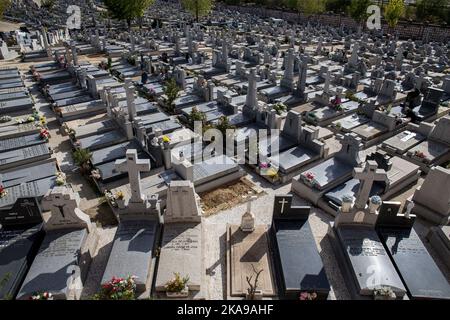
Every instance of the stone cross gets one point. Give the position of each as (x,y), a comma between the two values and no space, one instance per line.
(182,203)
(283,202)
(134,167)
(74,53)
(63,203)
(367,176)
(251,100)
(326,87)
(129,90)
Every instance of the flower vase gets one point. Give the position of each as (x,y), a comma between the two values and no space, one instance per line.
(120,203)
(180,294)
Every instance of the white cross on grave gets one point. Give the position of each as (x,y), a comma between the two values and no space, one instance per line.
(367,176)
(283,202)
(134,167)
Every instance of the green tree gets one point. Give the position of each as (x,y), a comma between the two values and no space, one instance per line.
(433,10)
(337,6)
(311,7)
(171,90)
(197,115)
(223,125)
(48,4)
(82,157)
(358,10)
(198,8)
(127,9)
(4,5)
(395,9)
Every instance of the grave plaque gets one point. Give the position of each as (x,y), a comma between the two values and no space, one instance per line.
(297,260)
(24,211)
(181,250)
(57,260)
(417,268)
(18,246)
(132,252)
(367,262)
(247,251)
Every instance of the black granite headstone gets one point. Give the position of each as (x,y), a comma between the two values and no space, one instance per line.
(417,268)
(24,211)
(20,236)
(299,265)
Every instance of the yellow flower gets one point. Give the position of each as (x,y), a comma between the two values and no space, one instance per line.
(166,139)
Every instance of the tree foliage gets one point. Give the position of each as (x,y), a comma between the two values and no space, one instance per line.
(171,90)
(127,9)
(433,10)
(395,9)
(198,8)
(358,9)
(4,5)
(48,4)
(310,7)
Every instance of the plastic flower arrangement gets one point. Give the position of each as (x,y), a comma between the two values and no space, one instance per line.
(376,200)
(41,296)
(166,139)
(304,296)
(4,119)
(177,284)
(118,289)
(310,178)
(3,192)
(44,134)
(384,292)
(60,178)
(110,198)
(95,174)
(419,154)
(120,195)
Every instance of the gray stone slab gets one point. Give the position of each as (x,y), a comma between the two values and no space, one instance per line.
(181,252)
(214,168)
(20,142)
(58,255)
(29,173)
(420,273)
(293,159)
(95,128)
(102,140)
(132,252)
(403,141)
(367,261)
(329,171)
(75,100)
(24,155)
(37,188)
(112,153)
(17,249)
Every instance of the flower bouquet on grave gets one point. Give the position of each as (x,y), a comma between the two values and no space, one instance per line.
(72,133)
(310,179)
(307,296)
(118,289)
(44,135)
(384,293)
(60,178)
(176,287)
(31,119)
(4,119)
(3,192)
(420,154)
(110,198)
(95,174)
(41,296)
(263,168)
(119,195)
(336,103)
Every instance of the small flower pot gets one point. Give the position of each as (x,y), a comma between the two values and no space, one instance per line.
(120,203)
(180,294)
